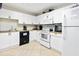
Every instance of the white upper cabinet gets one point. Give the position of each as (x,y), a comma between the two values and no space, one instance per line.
(55,16)
(40,19)
(45,19)
(31,19)
(5,13)
(58,16)
(23,18)
(48,19)
(36,20)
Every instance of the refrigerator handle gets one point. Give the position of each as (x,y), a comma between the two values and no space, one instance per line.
(64,19)
(64,33)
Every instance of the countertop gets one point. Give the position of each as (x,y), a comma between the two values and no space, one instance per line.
(7,31)
(51,33)
(55,33)
(17,31)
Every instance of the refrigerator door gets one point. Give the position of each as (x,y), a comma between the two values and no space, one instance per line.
(71,17)
(71,41)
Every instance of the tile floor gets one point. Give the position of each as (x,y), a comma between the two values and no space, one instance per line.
(31,49)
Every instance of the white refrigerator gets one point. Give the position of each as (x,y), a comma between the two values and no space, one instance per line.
(71,32)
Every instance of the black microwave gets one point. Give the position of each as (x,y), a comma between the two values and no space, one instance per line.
(58,27)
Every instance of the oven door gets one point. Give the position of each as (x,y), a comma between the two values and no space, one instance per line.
(45,37)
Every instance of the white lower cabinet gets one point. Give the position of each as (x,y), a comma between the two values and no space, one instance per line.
(57,43)
(34,35)
(9,39)
(31,36)
(15,38)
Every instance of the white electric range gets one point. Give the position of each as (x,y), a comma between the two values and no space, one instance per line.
(45,39)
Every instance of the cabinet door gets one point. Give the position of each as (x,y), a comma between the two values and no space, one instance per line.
(32,36)
(45,18)
(38,35)
(56,19)
(58,16)
(4,13)
(14,38)
(50,18)
(35,35)
(52,42)
(58,43)
(16,15)
(41,18)
(26,19)
(4,40)
(35,21)
(8,40)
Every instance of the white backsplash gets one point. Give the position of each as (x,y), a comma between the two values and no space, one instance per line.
(19,27)
(29,27)
(47,27)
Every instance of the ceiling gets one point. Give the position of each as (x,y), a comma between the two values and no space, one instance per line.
(33,8)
